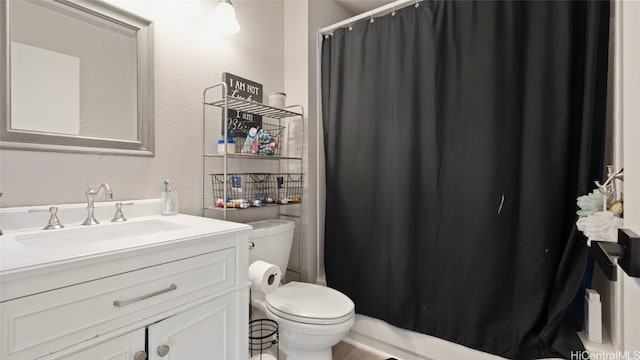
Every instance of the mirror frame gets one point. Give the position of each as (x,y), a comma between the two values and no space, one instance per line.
(40,141)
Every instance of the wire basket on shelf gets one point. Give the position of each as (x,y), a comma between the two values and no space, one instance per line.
(263,339)
(286,188)
(246,190)
(243,189)
(268,141)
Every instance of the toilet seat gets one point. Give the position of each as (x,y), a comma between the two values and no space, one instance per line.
(310,304)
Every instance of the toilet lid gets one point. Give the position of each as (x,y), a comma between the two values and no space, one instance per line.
(310,304)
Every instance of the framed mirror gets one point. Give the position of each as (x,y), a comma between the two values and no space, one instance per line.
(77,77)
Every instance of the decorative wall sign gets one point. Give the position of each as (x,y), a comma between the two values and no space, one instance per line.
(240,122)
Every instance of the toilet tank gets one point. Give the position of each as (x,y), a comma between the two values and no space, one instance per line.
(272,241)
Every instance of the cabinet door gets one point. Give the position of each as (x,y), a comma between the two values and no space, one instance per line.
(204,332)
(124,347)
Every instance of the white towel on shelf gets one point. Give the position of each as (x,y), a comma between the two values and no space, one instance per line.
(600,226)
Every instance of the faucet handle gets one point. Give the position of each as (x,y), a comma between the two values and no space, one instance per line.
(119,216)
(54,222)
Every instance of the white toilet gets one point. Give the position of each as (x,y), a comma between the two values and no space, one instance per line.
(311,318)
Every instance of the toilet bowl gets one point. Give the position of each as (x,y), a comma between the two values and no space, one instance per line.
(311,318)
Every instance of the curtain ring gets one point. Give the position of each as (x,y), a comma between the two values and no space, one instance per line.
(417,4)
(371,19)
(350,27)
(393,12)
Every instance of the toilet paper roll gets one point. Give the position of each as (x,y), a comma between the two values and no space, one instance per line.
(264,277)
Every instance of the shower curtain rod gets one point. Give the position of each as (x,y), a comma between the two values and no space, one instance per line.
(396,5)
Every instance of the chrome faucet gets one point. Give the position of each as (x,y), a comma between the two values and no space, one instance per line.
(91,220)
(54,221)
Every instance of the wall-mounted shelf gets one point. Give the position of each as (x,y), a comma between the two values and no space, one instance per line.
(626,251)
(606,254)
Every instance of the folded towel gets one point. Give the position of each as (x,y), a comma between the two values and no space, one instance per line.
(590,204)
(600,226)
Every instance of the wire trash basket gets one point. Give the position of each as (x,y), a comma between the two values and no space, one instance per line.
(263,339)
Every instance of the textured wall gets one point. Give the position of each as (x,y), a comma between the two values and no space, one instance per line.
(302,21)
(631,126)
(189,56)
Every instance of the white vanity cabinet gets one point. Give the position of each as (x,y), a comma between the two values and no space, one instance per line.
(125,347)
(182,296)
(201,333)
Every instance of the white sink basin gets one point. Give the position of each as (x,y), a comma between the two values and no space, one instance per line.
(64,238)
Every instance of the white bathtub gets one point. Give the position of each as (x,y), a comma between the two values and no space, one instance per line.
(386,340)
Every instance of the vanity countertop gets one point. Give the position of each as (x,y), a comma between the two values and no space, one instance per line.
(21,250)
(67,254)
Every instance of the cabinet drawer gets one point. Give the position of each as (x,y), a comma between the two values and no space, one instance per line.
(40,324)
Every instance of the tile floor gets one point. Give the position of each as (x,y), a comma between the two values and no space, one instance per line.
(344,351)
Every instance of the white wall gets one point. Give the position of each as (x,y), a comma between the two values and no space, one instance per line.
(297,89)
(631,151)
(303,18)
(321,14)
(189,56)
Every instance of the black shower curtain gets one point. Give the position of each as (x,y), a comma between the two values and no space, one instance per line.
(457,137)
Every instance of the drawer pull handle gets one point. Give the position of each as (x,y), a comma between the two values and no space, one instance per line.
(119,303)
(140,355)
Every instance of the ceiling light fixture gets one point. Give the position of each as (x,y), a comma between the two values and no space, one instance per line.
(226,17)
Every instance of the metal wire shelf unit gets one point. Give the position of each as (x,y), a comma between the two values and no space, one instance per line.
(256,108)
(228,102)
(251,156)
